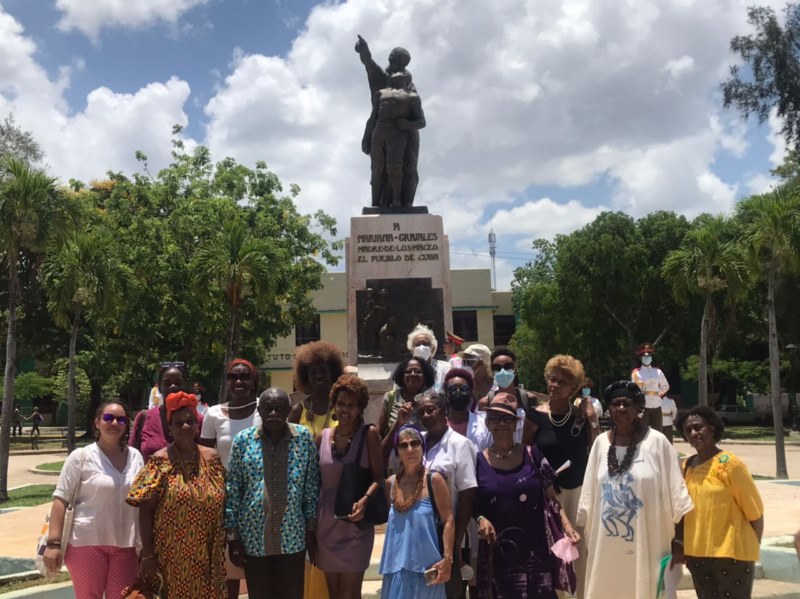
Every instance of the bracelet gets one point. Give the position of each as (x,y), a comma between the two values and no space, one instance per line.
(144,559)
(53,544)
(479,518)
(678,541)
(367,495)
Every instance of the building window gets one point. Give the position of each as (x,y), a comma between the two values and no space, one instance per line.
(504,326)
(465,324)
(306,333)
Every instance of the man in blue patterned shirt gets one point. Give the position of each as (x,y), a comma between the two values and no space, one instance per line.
(271,508)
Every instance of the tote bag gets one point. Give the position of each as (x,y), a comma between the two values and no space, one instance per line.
(353,485)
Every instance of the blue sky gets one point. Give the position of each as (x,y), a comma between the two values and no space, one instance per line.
(541,113)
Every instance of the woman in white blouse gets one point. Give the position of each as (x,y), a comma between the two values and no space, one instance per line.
(222,423)
(100,552)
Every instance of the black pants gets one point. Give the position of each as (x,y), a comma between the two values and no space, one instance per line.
(276,576)
(653,418)
(35,429)
(721,577)
(14,426)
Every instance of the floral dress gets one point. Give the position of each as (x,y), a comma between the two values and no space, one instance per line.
(188,537)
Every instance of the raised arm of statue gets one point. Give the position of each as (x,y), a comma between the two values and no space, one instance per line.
(375,74)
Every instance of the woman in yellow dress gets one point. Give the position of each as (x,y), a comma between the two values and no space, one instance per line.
(181,497)
(317,366)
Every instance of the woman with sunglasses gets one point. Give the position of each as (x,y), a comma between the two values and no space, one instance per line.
(221,424)
(101,551)
(633,496)
(150,430)
(515,487)
(413,562)
(180,494)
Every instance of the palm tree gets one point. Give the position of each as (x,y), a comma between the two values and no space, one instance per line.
(707,262)
(85,279)
(771,233)
(241,266)
(32,213)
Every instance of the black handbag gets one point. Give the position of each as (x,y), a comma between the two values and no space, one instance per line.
(353,485)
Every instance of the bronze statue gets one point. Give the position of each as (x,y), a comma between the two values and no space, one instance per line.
(395,120)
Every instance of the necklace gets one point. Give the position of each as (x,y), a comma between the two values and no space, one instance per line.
(614,467)
(310,417)
(247,405)
(563,421)
(337,453)
(198,486)
(501,456)
(404,506)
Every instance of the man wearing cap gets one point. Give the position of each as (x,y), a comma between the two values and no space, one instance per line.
(452,347)
(653,383)
(478,358)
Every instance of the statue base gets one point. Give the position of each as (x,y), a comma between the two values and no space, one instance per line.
(372,210)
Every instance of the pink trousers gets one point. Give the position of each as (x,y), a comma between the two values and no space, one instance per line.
(99,569)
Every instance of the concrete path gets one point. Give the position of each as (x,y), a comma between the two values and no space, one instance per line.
(18,466)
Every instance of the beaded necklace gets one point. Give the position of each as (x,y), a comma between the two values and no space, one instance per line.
(614,467)
(404,506)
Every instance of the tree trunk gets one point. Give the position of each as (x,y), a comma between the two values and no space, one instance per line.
(702,374)
(72,400)
(230,351)
(10,374)
(781,471)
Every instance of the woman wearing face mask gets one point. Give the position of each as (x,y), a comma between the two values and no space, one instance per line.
(564,433)
(458,391)
(422,344)
(586,391)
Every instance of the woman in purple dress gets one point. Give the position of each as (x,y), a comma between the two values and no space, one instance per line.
(344,549)
(514,559)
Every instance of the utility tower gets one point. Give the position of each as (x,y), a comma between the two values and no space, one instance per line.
(492,251)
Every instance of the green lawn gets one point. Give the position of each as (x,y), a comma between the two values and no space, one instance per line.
(751,433)
(28,496)
(51,466)
(35,582)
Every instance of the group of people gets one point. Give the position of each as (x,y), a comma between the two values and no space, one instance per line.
(487,489)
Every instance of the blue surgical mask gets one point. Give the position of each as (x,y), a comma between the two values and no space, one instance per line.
(504,378)
(586,391)
(647,360)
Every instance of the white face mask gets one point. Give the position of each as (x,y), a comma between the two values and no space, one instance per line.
(647,360)
(423,352)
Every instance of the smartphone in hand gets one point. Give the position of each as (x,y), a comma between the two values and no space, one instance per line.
(431,574)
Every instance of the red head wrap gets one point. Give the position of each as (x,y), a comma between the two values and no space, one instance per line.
(176,401)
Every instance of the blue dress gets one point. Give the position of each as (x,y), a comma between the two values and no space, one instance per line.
(409,548)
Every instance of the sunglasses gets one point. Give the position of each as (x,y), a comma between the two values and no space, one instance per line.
(406,445)
(109,418)
(239,376)
(497,419)
(413,371)
(461,390)
(499,367)
(624,404)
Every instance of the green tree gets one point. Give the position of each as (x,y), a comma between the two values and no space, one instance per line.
(707,263)
(772,54)
(81,388)
(84,279)
(771,232)
(241,266)
(32,213)
(18,143)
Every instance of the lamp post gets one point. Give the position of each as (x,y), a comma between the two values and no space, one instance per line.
(792,348)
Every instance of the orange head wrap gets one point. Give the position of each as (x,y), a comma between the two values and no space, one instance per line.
(176,401)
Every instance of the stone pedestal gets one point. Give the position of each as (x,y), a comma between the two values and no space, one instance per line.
(398,274)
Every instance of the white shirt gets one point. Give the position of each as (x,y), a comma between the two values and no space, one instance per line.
(222,429)
(669,411)
(441,368)
(454,457)
(101,516)
(484,437)
(155,398)
(652,382)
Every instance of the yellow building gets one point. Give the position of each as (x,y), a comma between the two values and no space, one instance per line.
(480,315)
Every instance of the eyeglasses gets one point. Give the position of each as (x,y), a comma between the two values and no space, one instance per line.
(173,364)
(497,419)
(499,367)
(461,390)
(624,404)
(413,371)
(406,445)
(109,418)
(471,362)
(236,376)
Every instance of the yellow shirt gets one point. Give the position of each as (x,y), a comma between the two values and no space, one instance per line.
(317,422)
(725,500)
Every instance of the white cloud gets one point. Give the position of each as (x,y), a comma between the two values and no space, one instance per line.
(544,218)
(91,16)
(678,66)
(105,134)
(775,138)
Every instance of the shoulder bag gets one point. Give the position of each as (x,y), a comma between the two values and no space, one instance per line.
(353,485)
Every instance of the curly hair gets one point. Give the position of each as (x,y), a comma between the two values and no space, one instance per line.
(316,351)
(353,385)
(570,366)
(707,414)
(418,330)
(428,373)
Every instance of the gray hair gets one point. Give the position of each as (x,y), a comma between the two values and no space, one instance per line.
(418,330)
